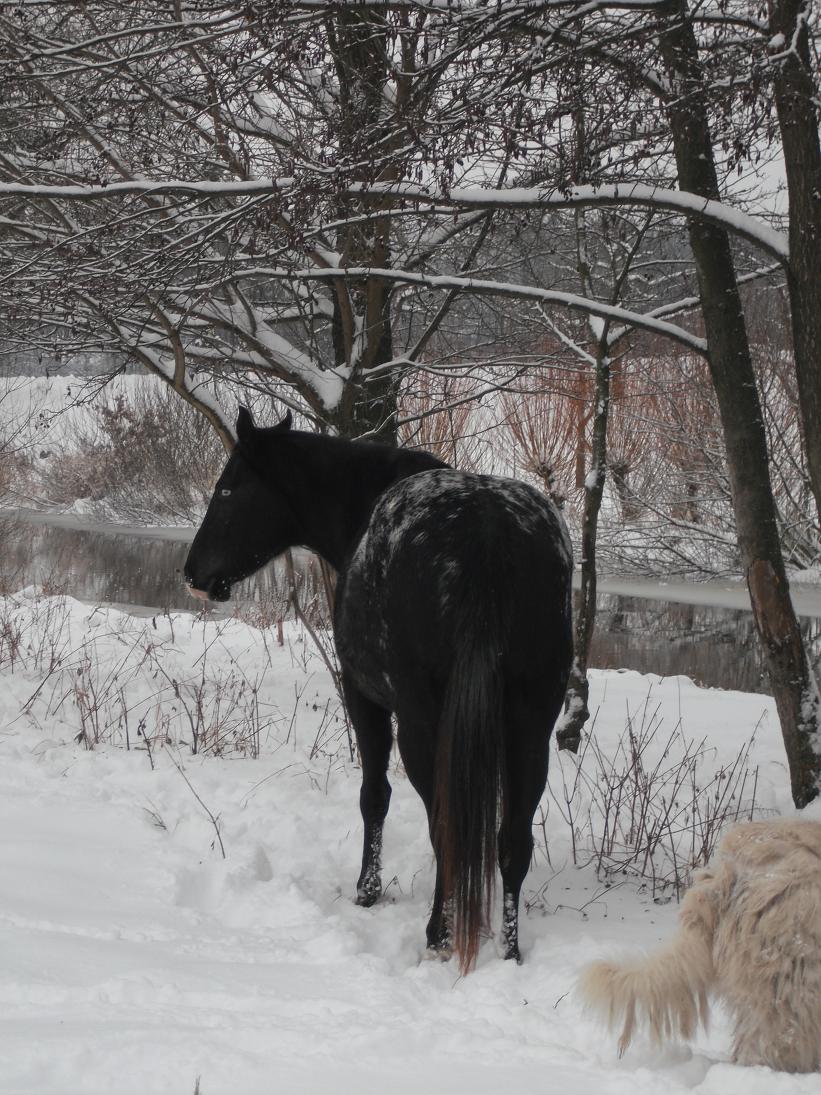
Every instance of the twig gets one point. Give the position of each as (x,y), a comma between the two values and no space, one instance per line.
(214,820)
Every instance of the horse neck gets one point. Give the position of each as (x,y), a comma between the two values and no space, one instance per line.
(338,487)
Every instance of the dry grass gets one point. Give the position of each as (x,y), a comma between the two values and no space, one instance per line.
(127,457)
(655,809)
(121,684)
(651,810)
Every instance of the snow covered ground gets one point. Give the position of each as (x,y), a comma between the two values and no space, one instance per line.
(135,958)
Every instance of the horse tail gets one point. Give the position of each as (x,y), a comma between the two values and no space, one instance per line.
(470,777)
(667,990)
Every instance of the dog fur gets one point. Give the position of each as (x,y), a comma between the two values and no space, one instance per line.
(749,934)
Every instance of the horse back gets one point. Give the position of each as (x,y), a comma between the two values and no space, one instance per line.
(447,554)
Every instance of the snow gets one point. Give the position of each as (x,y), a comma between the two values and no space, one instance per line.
(50,411)
(134,958)
(573,301)
(714,593)
(464,198)
(654,197)
(219,188)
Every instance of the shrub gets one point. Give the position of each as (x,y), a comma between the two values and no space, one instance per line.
(145,456)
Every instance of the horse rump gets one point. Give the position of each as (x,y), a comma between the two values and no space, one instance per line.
(472,575)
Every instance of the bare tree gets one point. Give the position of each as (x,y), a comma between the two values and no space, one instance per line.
(270,124)
(253,192)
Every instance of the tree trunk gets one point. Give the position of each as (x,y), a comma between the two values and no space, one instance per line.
(794,93)
(362,334)
(369,403)
(742,420)
(576,710)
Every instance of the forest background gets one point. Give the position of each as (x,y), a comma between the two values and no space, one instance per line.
(575,242)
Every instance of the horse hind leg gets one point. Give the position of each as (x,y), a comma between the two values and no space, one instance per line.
(372,725)
(438,932)
(515,850)
(527,739)
(418,716)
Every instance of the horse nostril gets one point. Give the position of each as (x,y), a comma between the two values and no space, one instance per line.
(200,594)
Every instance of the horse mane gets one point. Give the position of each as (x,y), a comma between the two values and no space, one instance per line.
(351,474)
(374,466)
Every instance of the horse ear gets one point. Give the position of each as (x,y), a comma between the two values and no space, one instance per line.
(245,424)
(286,423)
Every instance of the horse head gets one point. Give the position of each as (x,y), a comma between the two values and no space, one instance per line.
(249,519)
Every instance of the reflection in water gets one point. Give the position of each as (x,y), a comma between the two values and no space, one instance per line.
(716,647)
(115,568)
(94,566)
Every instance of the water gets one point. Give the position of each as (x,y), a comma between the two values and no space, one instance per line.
(714,646)
(140,569)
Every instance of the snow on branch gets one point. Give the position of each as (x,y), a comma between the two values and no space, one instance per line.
(523,292)
(224,188)
(614,194)
(464,198)
(280,355)
(469,9)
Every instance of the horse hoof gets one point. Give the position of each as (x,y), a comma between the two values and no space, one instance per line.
(366,898)
(439,954)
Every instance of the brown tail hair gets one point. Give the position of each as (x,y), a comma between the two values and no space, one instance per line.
(667,990)
(470,779)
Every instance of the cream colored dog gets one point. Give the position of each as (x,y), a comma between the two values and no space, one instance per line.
(750,933)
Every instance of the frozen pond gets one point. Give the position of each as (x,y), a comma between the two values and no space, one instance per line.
(698,630)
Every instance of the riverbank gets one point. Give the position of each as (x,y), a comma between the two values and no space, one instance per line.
(139,958)
(805,587)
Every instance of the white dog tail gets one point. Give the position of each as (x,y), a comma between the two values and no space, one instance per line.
(667,990)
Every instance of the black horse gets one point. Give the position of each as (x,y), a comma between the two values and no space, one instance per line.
(452,611)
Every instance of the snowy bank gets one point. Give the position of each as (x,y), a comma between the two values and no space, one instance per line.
(135,958)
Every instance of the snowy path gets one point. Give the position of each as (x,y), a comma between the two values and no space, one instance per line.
(133,958)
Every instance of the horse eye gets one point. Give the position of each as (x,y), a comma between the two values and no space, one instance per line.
(225,492)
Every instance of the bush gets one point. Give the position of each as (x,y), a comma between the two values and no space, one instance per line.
(654,808)
(147,456)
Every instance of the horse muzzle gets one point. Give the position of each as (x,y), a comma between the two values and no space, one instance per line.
(218,590)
